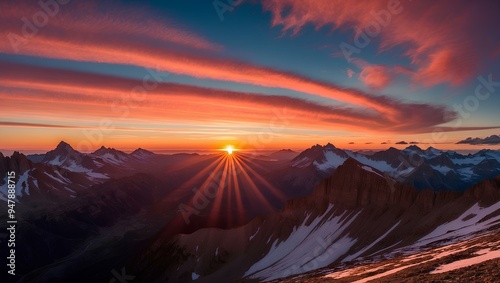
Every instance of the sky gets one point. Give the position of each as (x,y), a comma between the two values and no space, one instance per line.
(197,75)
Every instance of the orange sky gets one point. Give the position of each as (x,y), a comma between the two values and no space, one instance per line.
(159,81)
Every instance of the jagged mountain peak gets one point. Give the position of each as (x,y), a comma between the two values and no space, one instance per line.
(351,163)
(329,146)
(429,168)
(62,149)
(326,146)
(66,157)
(17,154)
(433,151)
(111,155)
(414,148)
(323,157)
(64,145)
(390,153)
(441,159)
(103,150)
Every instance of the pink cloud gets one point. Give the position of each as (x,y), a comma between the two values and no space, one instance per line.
(376,77)
(446,41)
(34,91)
(21,27)
(98,37)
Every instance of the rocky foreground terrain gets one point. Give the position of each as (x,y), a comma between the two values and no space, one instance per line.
(473,260)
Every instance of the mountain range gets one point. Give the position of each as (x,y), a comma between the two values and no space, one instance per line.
(287,217)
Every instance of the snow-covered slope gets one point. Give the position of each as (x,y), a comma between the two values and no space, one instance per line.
(301,251)
(112,156)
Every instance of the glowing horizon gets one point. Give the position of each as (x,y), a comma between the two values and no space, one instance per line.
(166,80)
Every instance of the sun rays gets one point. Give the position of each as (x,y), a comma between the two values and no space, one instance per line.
(230,189)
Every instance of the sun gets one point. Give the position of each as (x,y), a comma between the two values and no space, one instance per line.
(229,149)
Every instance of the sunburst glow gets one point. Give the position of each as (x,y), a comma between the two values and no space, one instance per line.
(223,190)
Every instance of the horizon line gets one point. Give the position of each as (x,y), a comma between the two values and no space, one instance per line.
(27,151)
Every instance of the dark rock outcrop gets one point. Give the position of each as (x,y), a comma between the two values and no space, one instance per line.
(18,163)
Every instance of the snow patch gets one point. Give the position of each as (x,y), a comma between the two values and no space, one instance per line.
(116,160)
(94,175)
(460,227)
(354,256)
(19,186)
(369,169)
(194,276)
(442,169)
(466,172)
(482,256)
(253,236)
(58,160)
(61,180)
(268,240)
(308,247)
(379,165)
(332,161)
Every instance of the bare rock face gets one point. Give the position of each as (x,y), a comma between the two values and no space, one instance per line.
(486,191)
(18,163)
(3,164)
(356,185)
(62,149)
